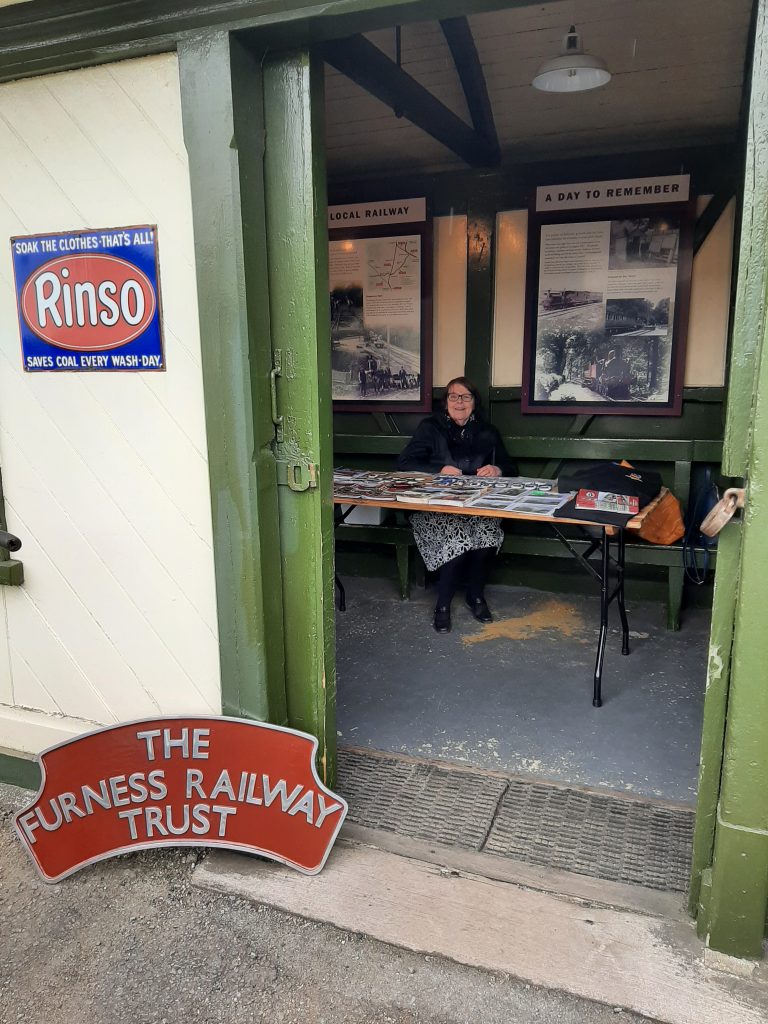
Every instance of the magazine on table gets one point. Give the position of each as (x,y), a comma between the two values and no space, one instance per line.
(357,492)
(455,497)
(509,492)
(605,501)
(417,495)
(541,505)
(492,502)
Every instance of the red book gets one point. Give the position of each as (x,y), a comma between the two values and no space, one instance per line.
(604,501)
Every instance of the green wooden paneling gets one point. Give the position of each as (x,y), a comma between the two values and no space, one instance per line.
(536,546)
(537,447)
(18,771)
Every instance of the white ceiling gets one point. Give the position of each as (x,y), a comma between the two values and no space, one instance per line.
(677,70)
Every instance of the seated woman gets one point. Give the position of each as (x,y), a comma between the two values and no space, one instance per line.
(457,440)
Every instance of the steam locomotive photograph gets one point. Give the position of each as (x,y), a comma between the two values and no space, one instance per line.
(584,308)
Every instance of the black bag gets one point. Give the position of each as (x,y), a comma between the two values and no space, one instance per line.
(704,497)
(616,479)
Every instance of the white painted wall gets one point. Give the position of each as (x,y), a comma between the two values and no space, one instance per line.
(450,297)
(105,474)
(710,303)
(709,310)
(509,298)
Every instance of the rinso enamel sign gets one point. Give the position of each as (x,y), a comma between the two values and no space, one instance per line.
(221,782)
(89,300)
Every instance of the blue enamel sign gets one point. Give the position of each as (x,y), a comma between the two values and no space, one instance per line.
(89,300)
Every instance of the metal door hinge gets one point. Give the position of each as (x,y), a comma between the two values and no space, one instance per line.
(299,476)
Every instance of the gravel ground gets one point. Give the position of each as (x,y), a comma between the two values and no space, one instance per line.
(131,939)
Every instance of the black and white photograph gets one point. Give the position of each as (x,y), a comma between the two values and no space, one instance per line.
(643,242)
(568,306)
(628,360)
(606,311)
(376,320)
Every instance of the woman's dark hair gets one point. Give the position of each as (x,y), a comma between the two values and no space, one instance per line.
(465,383)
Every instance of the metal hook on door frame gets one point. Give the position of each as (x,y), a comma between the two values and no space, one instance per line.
(274,373)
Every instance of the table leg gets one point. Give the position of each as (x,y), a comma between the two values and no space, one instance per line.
(596,696)
(342,594)
(620,595)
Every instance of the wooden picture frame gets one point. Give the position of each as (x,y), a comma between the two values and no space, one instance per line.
(598,351)
(381,357)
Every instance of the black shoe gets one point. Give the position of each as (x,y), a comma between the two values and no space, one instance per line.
(479,609)
(442,620)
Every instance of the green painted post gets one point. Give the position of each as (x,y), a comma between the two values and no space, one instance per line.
(734,912)
(297,243)
(223,132)
(715,703)
(739,895)
(481,229)
(752,276)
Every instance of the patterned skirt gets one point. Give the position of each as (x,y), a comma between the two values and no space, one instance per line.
(441,536)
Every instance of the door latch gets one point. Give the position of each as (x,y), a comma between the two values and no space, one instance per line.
(299,476)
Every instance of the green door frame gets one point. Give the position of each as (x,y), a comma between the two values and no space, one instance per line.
(224,135)
(297,248)
(729,885)
(254,130)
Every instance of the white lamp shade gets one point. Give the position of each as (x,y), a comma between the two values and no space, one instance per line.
(573,72)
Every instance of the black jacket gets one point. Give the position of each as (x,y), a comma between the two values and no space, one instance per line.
(439,442)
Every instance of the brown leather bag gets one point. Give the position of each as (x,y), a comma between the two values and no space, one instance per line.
(664,523)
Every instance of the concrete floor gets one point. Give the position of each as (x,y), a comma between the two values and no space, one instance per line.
(515,696)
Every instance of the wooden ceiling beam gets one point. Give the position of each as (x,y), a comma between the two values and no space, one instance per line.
(461,43)
(710,215)
(368,67)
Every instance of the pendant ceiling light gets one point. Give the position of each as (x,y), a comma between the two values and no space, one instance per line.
(573,70)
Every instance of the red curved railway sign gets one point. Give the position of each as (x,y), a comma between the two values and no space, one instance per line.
(216,782)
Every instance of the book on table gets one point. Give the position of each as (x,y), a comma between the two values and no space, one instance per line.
(416,495)
(605,501)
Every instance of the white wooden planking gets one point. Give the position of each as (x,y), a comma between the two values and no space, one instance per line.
(105,475)
(450,297)
(509,298)
(711,304)
(677,74)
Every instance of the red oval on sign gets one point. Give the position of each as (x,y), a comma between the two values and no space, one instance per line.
(88,302)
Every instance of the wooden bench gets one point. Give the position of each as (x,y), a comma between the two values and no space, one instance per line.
(545,457)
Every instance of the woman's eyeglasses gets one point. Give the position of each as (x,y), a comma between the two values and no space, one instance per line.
(459,398)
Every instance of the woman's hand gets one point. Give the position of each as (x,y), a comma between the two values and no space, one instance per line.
(489,471)
(450,471)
